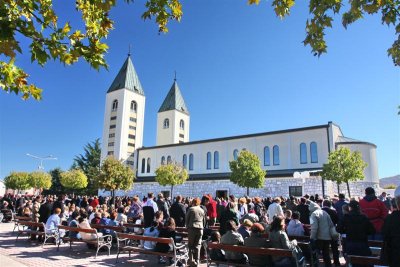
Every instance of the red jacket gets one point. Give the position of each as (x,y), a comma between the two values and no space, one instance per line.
(375,210)
(94,203)
(212,209)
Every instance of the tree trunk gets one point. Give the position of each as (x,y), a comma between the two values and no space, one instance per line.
(113,197)
(338,188)
(247,191)
(172,190)
(348,188)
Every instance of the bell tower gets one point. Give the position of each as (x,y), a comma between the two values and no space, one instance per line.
(124,116)
(173,119)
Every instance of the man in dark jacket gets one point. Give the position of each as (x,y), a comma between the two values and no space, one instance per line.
(327,206)
(303,208)
(59,204)
(178,212)
(162,206)
(338,205)
(391,234)
(45,210)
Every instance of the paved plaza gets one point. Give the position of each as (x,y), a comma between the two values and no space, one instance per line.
(27,253)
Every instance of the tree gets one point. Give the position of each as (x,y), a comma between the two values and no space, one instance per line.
(115,176)
(74,179)
(56,186)
(247,171)
(89,163)
(40,180)
(17,181)
(171,174)
(37,22)
(344,166)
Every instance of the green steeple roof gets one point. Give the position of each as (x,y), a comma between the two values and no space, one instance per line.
(174,100)
(127,78)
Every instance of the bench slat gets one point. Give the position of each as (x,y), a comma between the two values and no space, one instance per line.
(364,260)
(146,238)
(253,250)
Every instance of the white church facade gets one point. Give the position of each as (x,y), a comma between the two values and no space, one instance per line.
(293,158)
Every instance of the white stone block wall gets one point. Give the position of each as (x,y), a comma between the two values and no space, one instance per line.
(273,187)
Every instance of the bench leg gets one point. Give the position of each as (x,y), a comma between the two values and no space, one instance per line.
(116,261)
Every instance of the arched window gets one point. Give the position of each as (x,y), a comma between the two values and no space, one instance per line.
(191,163)
(216,160)
(115,105)
(314,152)
(303,153)
(208,160)
(184,161)
(143,165)
(235,154)
(166,123)
(162,160)
(169,160)
(182,125)
(275,151)
(267,158)
(148,165)
(133,106)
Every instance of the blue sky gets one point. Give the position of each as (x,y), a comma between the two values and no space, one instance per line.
(241,70)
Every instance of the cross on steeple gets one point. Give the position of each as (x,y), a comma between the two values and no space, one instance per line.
(175,77)
(129,50)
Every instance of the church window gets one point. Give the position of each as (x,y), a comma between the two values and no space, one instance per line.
(169,160)
(314,152)
(276,154)
(148,165)
(162,160)
(166,123)
(143,165)
(133,106)
(115,105)
(184,161)
(182,125)
(303,153)
(191,162)
(267,159)
(235,154)
(216,160)
(208,160)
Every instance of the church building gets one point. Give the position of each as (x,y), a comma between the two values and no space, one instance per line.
(293,158)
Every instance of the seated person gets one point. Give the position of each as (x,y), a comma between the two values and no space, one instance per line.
(84,224)
(96,219)
(167,231)
(105,221)
(232,237)
(295,227)
(279,239)
(256,240)
(216,254)
(288,216)
(74,223)
(121,217)
(53,222)
(153,232)
(244,228)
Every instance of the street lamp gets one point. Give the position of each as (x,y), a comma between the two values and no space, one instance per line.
(40,167)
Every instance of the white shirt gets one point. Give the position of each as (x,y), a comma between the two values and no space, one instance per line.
(150,202)
(274,209)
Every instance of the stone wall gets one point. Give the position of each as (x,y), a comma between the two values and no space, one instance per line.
(273,187)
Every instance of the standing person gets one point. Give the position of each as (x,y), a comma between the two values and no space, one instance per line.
(45,210)
(304,210)
(149,209)
(243,209)
(375,210)
(356,227)
(339,204)
(59,204)
(178,211)
(135,211)
(211,211)
(391,234)
(195,221)
(95,202)
(327,207)
(163,206)
(275,209)
(259,208)
(36,214)
(228,214)
(321,237)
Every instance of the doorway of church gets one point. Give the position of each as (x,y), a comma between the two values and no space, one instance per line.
(222,193)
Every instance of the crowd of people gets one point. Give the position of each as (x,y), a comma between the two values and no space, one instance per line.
(330,223)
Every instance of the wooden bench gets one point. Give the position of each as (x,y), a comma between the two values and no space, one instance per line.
(248,250)
(16,219)
(99,241)
(364,260)
(34,228)
(116,229)
(125,246)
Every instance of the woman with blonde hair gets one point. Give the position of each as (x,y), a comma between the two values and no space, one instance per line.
(195,221)
(242,207)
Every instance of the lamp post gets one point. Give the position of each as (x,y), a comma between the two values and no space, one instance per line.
(41,159)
